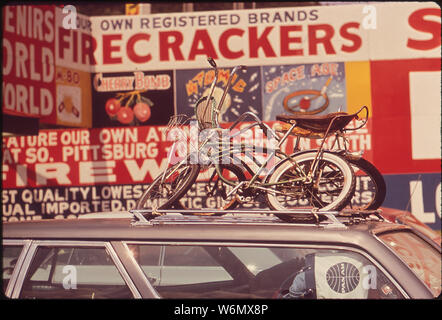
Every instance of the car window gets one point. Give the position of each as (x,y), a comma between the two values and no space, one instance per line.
(10,256)
(178,265)
(73,272)
(421,257)
(219,272)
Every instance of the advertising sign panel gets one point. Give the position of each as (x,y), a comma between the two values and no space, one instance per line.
(44,69)
(132,99)
(244,94)
(122,77)
(29,61)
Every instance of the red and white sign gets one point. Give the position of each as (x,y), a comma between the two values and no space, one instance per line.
(84,157)
(267,36)
(73,46)
(406,130)
(406,30)
(28,61)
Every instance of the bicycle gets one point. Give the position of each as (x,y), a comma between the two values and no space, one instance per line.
(304,177)
(312,126)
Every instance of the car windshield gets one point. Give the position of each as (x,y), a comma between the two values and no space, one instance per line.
(420,256)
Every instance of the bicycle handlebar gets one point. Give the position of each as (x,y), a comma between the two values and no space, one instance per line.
(215,79)
(264,127)
(229,83)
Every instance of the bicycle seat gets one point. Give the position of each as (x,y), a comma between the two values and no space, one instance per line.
(319,123)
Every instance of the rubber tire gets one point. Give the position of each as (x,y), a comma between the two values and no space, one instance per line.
(377,179)
(189,180)
(238,172)
(343,198)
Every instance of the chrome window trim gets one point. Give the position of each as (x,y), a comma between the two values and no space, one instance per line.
(277,245)
(25,247)
(123,271)
(134,262)
(73,243)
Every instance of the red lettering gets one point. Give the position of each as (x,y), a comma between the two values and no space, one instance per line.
(75,46)
(62,43)
(286,40)
(357,41)
(417,22)
(314,40)
(202,37)
(108,48)
(223,43)
(269,87)
(88,48)
(256,42)
(131,48)
(174,45)
(272,84)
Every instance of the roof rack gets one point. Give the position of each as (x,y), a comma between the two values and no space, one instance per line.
(326,219)
(355,216)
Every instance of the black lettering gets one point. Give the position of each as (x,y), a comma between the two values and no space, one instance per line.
(144,23)
(253,18)
(302,15)
(313,15)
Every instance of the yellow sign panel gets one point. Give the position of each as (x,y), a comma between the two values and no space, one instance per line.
(132,9)
(357,75)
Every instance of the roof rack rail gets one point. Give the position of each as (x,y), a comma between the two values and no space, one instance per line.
(158,216)
(354,216)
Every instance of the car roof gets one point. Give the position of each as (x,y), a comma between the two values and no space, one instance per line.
(194,229)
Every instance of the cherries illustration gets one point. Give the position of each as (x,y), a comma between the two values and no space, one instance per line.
(125,115)
(112,107)
(135,110)
(142,111)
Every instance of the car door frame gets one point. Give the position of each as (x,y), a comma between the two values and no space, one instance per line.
(35,244)
(134,270)
(319,246)
(26,244)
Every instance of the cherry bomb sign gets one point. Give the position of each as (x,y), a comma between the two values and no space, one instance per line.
(132,99)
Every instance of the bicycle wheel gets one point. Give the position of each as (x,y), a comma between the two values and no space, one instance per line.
(332,187)
(209,191)
(370,185)
(169,187)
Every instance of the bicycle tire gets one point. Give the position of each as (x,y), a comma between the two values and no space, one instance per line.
(177,181)
(304,159)
(229,204)
(379,187)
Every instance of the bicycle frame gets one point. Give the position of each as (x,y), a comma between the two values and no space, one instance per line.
(254,183)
